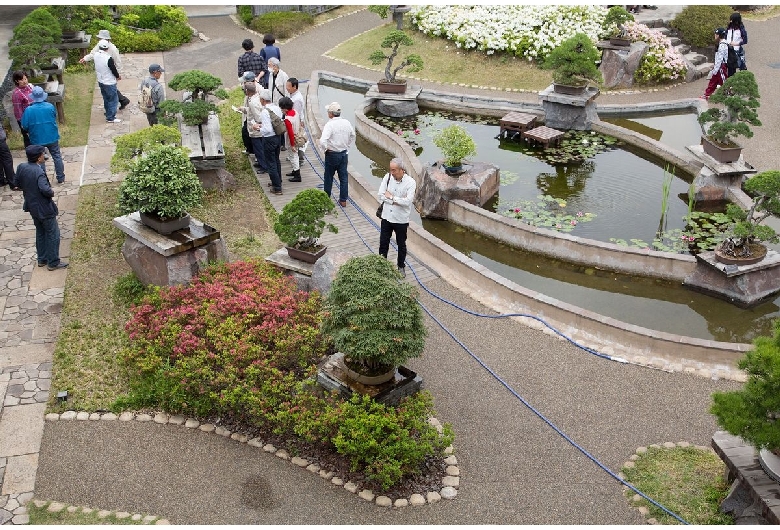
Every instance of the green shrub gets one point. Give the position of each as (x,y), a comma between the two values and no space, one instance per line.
(132,145)
(697,23)
(41,17)
(302,220)
(129,290)
(574,61)
(282,24)
(78,17)
(169,29)
(245,14)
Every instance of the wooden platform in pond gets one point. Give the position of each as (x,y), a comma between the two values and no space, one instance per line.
(543,135)
(516,122)
(351,223)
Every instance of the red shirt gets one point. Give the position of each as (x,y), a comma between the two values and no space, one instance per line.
(290,132)
(21,98)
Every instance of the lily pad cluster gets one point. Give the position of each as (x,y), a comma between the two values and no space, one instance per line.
(703,232)
(547,211)
(577,146)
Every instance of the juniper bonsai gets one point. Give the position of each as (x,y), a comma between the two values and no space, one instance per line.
(574,61)
(739,95)
(393,40)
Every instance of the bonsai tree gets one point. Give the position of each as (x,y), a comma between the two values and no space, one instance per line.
(455,144)
(739,95)
(33,45)
(302,220)
(196,108)
(574,61)
(393,40)
(130,146)
(77,17)
(751,413)
(162,183)
(612,26)
(747,228)
(373,319)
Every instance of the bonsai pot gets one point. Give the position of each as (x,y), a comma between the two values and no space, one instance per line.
(453,171)
(363,375)
(569,90)
(617,41)
(387,87)
(73,36)
(306,256)
(165,226)
(770,462)
(757,251)
(722,154)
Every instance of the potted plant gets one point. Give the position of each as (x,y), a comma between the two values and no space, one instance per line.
(739,95)
(199,86)
(373,319)
(389,84)
(162,186)
(752,412)
(455,144)
(74,19)
(302,222)
(33,46)
(741,243)
(574,65)
(612,27)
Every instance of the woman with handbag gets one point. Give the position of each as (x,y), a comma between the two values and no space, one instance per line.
(396,195)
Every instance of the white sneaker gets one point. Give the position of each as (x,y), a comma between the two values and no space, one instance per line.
(115,120)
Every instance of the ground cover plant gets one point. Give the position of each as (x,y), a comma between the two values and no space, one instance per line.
(662,62)
(686,480)
(42,516)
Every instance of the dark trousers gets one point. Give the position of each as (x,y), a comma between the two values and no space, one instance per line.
(25,136)
(271,150)
(7,175)
(123,100)
(336,162)
(152,118)
(47,240)
(386,230)
(246,139)
(258,150)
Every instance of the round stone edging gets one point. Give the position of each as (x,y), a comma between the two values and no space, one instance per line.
(450,482)
(55,507)
(643,510)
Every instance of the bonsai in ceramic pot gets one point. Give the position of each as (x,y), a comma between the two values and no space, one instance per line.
(612,26)
(394,39)
(33,45)
(740,99)
(373,318)
(301,223)
(455,144)
(162,185)
(573,64)
(195,110)
(741,245)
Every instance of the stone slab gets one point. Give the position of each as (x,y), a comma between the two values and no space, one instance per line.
(26,354)
(740,167)
(744,286)
(20,474)
(412,91)
(476,186)
(21,429)
(42,278)
(281,259)
(196,235)
(550,95)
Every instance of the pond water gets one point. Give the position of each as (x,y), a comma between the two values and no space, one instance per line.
(676,129)
(645,302)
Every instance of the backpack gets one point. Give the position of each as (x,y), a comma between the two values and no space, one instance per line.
(145,101)
(300,137)
(277,123)
(733,59)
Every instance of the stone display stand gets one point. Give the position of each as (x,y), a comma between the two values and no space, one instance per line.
(332,376)
(476,185)
(717,180)
(169,259)
(566,112)
(396,105)
(744,286)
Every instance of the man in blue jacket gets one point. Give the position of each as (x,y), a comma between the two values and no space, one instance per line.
(40,122)
(38,200)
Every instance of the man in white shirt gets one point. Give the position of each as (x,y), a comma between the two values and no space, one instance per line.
(107,76)
(260,122)
(337,135)
(397,194)
(103,34)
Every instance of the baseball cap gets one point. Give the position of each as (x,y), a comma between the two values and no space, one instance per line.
(248,76)
(103,44)
(154,67)
(33,151)
(333,107)
(721,32)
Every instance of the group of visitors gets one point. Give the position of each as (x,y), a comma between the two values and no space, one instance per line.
(730,42)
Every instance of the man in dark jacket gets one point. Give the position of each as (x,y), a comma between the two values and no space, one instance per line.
(38,200)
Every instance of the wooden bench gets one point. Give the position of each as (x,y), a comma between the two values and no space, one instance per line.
(516,122)
(544,135)
(204,142)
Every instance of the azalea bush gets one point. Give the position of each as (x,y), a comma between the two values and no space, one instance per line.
(661,62)
(242,342)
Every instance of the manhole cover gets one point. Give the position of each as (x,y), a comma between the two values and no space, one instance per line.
(775,65)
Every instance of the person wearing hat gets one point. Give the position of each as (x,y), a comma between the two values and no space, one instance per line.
(107,76)
(40,122)
(158,92)
(719,71)
(336,137)
(250,61)
(103,34)
(39,202)
(268,140)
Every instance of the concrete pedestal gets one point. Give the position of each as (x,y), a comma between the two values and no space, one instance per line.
(169,259)
(717,181)
(476,185)
(566,112)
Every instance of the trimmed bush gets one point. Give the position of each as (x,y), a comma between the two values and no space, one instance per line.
(282,24)
(132,145)
(697,23)
(245,14)
(146,28)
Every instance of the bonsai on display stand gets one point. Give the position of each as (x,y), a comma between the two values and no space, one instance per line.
(301,223)
(574,65)
(455,144)
(390,84)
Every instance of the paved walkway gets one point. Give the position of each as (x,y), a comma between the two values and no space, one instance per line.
(513,467)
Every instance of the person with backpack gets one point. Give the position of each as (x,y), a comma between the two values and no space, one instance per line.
(719,71)
(107,77)
(152,93)
(266,122)
(736,36)
(269,51)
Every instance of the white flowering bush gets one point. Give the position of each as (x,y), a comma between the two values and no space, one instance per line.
(525,31)
(661,62)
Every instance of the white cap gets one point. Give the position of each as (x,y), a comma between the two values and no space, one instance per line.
(333,107)
(103,44)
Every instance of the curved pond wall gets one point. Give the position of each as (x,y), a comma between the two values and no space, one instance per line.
(608,335)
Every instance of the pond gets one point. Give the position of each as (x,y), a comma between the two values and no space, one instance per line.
(645,302)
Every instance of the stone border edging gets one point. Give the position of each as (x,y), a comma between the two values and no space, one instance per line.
(56,507)
(636,456)
(450,482)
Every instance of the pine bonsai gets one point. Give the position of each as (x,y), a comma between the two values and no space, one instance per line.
(393,40)
(739,95)
(302,220)
(574,62)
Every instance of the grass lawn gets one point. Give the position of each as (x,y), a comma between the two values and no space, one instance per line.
(43,516)
(79,88)
(446,63)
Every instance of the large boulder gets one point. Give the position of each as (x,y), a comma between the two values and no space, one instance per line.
(476,185)
(154,268)
(396,108)
(618,66)
(326,268)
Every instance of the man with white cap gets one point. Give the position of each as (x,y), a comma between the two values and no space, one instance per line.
(107,76)
(260,122)
(158,92)
(40,121)
(103,34)
(336,137)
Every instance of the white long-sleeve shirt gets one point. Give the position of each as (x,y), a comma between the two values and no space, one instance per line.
(112,51)
(399,207)
(337,135)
